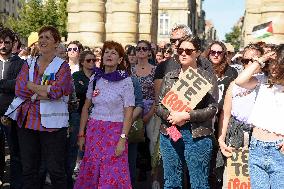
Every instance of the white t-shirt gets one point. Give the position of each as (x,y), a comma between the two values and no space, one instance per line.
(268,111)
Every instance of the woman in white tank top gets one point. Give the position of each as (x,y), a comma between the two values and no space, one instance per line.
(266,154)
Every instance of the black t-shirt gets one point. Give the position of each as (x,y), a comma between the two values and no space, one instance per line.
(223,83)
(166,66)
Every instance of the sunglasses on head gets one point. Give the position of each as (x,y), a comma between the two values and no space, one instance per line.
(173,41)
(187,51)
(91,59)
(75,49)
(142,48)
(213,53)
(246,61)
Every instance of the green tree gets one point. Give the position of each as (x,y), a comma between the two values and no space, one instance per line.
(34,14)
(234,37)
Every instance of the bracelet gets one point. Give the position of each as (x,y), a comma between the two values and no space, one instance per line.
(81,136)
(261,64)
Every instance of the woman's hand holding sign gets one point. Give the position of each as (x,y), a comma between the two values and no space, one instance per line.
(178,118)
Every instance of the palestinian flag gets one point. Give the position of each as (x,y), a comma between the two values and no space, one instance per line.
(262,30)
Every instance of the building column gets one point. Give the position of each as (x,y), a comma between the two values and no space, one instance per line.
(86,21)
(273,10)
(122,16)
(148,22)
(252,18)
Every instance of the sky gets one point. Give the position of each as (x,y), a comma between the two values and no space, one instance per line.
(224,14)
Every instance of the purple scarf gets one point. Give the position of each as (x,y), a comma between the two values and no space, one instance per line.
(113,76)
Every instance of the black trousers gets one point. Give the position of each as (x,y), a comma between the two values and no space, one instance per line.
(47,146)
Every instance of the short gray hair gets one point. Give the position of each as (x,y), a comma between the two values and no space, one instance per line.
(187,31)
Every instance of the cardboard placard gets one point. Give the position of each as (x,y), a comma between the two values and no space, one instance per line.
(187,92)
(237,170)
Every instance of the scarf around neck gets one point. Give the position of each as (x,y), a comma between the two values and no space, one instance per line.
(113,76)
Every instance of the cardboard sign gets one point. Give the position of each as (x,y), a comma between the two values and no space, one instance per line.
(237,170)
(187,92)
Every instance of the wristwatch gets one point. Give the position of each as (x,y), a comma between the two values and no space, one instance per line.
(123,136)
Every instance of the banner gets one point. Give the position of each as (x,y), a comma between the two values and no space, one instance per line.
(187,92)
(237,170)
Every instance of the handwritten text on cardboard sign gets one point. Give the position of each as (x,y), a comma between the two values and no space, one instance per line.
(187,92)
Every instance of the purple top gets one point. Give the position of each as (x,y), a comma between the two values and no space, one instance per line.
(110,98)
(61,86)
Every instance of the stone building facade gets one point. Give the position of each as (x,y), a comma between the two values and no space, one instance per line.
(127,21)
(172,12)
(210,32)
(262,11)
(8,8)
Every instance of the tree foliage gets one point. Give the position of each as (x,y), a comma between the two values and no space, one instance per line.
(234,37)
(34,14)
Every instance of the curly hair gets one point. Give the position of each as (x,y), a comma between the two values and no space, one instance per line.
(278,66)
(120,50)
(219,69)
(53,30)
(6,32)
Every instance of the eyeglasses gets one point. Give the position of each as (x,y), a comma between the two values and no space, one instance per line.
(91,59)
(213,53)
(75,49)
(246,61)
(142,48)
(187,51)
(173,41)
(168,51)
(6,42)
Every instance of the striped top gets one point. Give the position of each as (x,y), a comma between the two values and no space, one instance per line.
(31,110)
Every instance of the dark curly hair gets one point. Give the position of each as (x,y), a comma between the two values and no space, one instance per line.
(278,66)
(6,32)
(219,69)
(116,46)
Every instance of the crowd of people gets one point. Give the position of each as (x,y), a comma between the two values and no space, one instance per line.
(81,117)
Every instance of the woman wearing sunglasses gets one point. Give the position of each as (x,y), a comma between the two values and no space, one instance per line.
(266,153)
(168,51)
(144,71)
(216,53)
(234,129)
(73,51)
(195,146)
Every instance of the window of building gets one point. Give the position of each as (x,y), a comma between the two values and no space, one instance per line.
(164,24)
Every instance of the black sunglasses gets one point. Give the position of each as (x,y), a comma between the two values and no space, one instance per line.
(213,53)
(91,59)
(187,51)
(142,48)
(6,42)
(246,61)
(173,41)
(75,49)
(169,51)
